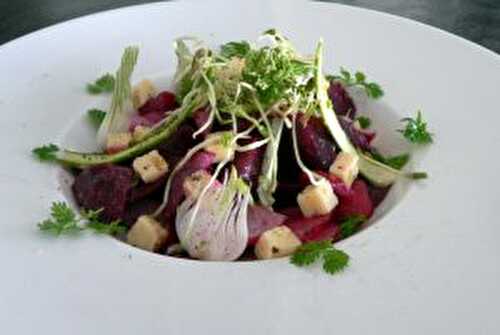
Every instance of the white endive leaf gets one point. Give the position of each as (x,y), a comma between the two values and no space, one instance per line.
(117,119)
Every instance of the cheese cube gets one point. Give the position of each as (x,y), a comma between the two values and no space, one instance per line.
(147,234)
(150,166)
(221,150)
(195,183)
(117,142)
(140,132)
(345,167)
(317,199)
(142,92)
(277,242)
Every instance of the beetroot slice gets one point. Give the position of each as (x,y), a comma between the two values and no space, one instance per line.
(260,219)
(138,208)
(104,186)
(249,163)
(339,188)
(200,118)
(177,145)
(316,146)
(342,102)
(200,161)
(356,202)
(307,229)
(143,190)
(146,120)
(360,139)
(163,102)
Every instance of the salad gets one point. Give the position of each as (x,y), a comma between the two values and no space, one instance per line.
(257,154)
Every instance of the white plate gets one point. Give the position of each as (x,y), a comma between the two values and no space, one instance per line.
(430,265)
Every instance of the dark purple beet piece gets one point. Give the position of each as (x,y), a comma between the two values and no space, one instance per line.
(307,229)
(177,145)
(317,148)
(360,139)
(377,194)
(286,194)
(163,102)
(200,118)
(146,120)
(342,102)
(357,202)
(202,160)
(143,190)
(104,186)
(138,208)
(249,163)
(260,219)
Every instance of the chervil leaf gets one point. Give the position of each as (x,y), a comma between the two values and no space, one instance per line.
(335,261)
(96,116)
(235,49)
(364,122)
(372,89)
(94,223)
(104,84)
(46,152)
(309,253)
(351,225)
(62,221)
(416,130)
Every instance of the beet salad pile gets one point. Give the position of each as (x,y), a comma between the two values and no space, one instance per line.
(255,154)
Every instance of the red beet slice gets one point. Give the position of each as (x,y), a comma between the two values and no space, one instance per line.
(309,229)
(177,145)
(146,120)
(360,139)
(143,190)
(249,163)
(260,219)
(339,188)
(316,146)
(342,102)
(356,202)
(200,118)
(138,208)
(163,102)
(104,186)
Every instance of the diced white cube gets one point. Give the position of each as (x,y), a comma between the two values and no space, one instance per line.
(277,242)
(142,92)
(345,167)
(147,234)
(150,167)
(317,199)
(221,150)
(140,132)
(117,142)
(194,184)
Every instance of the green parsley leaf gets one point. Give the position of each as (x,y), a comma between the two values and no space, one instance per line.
(46,152)
(334,260)
(351,225)
(96,116)
(372,89)
(94,223)
(364,122)
(104,84)
(62,221)
(397,162)
(235,49)
(416,130)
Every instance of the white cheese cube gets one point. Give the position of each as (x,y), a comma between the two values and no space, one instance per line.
(150,166)
(147,234)
(345,167)
(117,142)
(142,92)
(140,132)
(220,149)
(195,183)
(317,199)
(277,242)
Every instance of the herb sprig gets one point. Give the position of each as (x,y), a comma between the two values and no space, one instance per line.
(372,89)
(104,84)
(96,116)
(397,162)
(416,130)
(350,225)
(334,260)
(46,152)
(63,220)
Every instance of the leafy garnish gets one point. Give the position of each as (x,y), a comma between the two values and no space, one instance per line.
(62,220)
(364,122)
(96,116)
(372,89)
(416,130)
(104,84)
(235,49)
(397,162)
(334,260)
(46,152)
(417,175)
(351,225)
